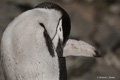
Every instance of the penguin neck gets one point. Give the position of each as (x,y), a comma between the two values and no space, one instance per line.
(62,62)
(55,41)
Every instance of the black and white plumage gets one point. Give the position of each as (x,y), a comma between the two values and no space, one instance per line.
(32,45)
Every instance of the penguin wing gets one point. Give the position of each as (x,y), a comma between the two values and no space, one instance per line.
(78,48)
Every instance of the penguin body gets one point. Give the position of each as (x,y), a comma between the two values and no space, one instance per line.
(29,45)
(32,45)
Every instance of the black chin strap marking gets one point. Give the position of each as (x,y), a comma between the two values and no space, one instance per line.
(48,41)
(56,28)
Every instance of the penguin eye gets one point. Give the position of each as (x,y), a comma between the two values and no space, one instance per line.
(60,29)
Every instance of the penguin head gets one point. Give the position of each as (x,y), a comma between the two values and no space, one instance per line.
(62,26)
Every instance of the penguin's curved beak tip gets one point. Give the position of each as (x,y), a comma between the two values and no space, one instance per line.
(97,54)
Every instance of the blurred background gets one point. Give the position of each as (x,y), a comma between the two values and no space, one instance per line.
(94,21)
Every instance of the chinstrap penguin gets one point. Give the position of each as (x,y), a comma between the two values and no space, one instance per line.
(35,44)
